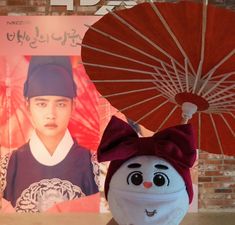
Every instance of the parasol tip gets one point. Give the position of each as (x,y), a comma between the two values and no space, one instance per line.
(188,109)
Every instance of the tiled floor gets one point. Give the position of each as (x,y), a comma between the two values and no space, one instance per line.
(103,219)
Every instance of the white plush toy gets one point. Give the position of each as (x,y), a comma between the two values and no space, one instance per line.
(148,180)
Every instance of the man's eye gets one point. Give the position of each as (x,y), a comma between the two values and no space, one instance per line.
(61,104)
(135,178)
(41,104)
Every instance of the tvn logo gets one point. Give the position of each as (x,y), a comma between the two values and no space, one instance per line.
(17,22)
(101,11)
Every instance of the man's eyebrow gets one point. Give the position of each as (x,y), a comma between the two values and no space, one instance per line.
(161,166)
(62,100)
(134,165)
(41,99)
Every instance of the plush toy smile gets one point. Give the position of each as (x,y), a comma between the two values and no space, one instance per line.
(150,213)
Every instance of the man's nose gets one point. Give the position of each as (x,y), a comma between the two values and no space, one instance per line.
(51,113)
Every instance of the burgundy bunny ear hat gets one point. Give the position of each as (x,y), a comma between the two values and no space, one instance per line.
(175,144)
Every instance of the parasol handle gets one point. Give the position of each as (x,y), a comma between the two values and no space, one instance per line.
(188,109)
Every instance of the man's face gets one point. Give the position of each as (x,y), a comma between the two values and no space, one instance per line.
(50,114)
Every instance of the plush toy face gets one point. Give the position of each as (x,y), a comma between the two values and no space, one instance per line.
(147,174)
(147,190)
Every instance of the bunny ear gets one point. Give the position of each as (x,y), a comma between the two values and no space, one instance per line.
(117,141)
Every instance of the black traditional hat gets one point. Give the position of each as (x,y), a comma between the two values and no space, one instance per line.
(50,75)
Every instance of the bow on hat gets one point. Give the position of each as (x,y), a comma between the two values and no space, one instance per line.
(121,142)
(175,144)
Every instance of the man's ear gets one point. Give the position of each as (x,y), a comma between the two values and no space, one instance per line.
(26,102)
(74,104)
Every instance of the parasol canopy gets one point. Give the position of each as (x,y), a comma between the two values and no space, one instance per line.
(160,62)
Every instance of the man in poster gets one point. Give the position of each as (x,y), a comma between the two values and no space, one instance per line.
(51,167)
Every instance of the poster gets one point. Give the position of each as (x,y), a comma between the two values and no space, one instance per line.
(23,37)
(30,37)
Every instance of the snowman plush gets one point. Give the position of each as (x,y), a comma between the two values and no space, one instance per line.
(148,181)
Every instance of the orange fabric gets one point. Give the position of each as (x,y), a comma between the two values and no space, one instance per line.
(89,203)
(6,207)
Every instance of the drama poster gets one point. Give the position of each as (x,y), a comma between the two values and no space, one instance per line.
(23,40)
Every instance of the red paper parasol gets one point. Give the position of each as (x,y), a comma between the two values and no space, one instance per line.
(85,122)
(15,124)
(154,59)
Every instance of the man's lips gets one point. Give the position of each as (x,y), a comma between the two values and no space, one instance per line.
(50,125)
(150,213)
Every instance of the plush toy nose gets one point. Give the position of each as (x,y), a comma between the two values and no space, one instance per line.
(148,184)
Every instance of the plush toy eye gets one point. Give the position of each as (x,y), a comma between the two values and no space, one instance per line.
(160,179)
(135,178)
